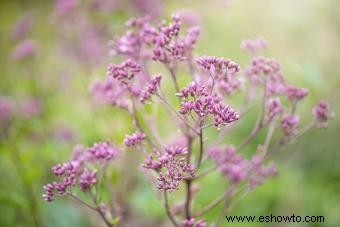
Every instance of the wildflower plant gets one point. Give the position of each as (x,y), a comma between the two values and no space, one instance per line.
(200,105)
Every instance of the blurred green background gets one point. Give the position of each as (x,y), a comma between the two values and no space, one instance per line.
(304,36)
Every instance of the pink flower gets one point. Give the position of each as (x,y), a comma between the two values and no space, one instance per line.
(294,93)
(290,125)
(171,167)
(196,99)
(87,179)
(134,139)
(274,108)
(322,114)
(252,46)
(31,107)
(6,108)
(151,88)
(26,49)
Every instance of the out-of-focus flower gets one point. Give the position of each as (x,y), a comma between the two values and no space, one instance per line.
(262,66)
(63,7)
(103,151)
(189,17)
(64,134)
(290,124)
(30,107)
(22,27)
(152,8)
(151,88)
(136,42)
(252,46)
(192,222)
(295,93)
(322,114)
(237,168)
(6,109)
(26,49)
(87,179)
(218,66)
(134,139)
(261,173)
(274,108)
(231,164)
(110,92)
(222,73)
(125,71)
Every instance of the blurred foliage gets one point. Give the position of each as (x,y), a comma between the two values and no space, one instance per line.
(303,35)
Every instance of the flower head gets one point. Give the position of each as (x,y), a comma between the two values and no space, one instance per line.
(252,46)
(87,179)
(150,89)
(290,125)
(295,93)
(196,99)
(103,151)
(218,66)
(322,114)
(75,172)
(125,71)
(134,139)
(192,222)
(31,107)
(274,108)
(26,49)
(171,167)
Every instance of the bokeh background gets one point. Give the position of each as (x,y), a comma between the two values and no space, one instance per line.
(49,83)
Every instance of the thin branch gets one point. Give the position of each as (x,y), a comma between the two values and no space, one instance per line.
(206,172)
(168,212)
(216,202)
(137,122)
(259,123)
(188,199)
(81,201)
(200,155)
(100,211)
(269,135)
(177,114)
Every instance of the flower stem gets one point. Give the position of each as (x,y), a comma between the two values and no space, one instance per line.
(168,212)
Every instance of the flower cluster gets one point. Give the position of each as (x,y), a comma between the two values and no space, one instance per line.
(24,50)
(171,167)
(193,223)
(144,41)
(264,66)
(76,171)
(136,42)
(295,93)
(322,114)
(134,139)
(218,66)
(290,124)
(31,107)
(252,46)
(222,73)
(274,108)
(196,99)
(237,168)
(109,92)
(201,106)
(124,72)
(151,88)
